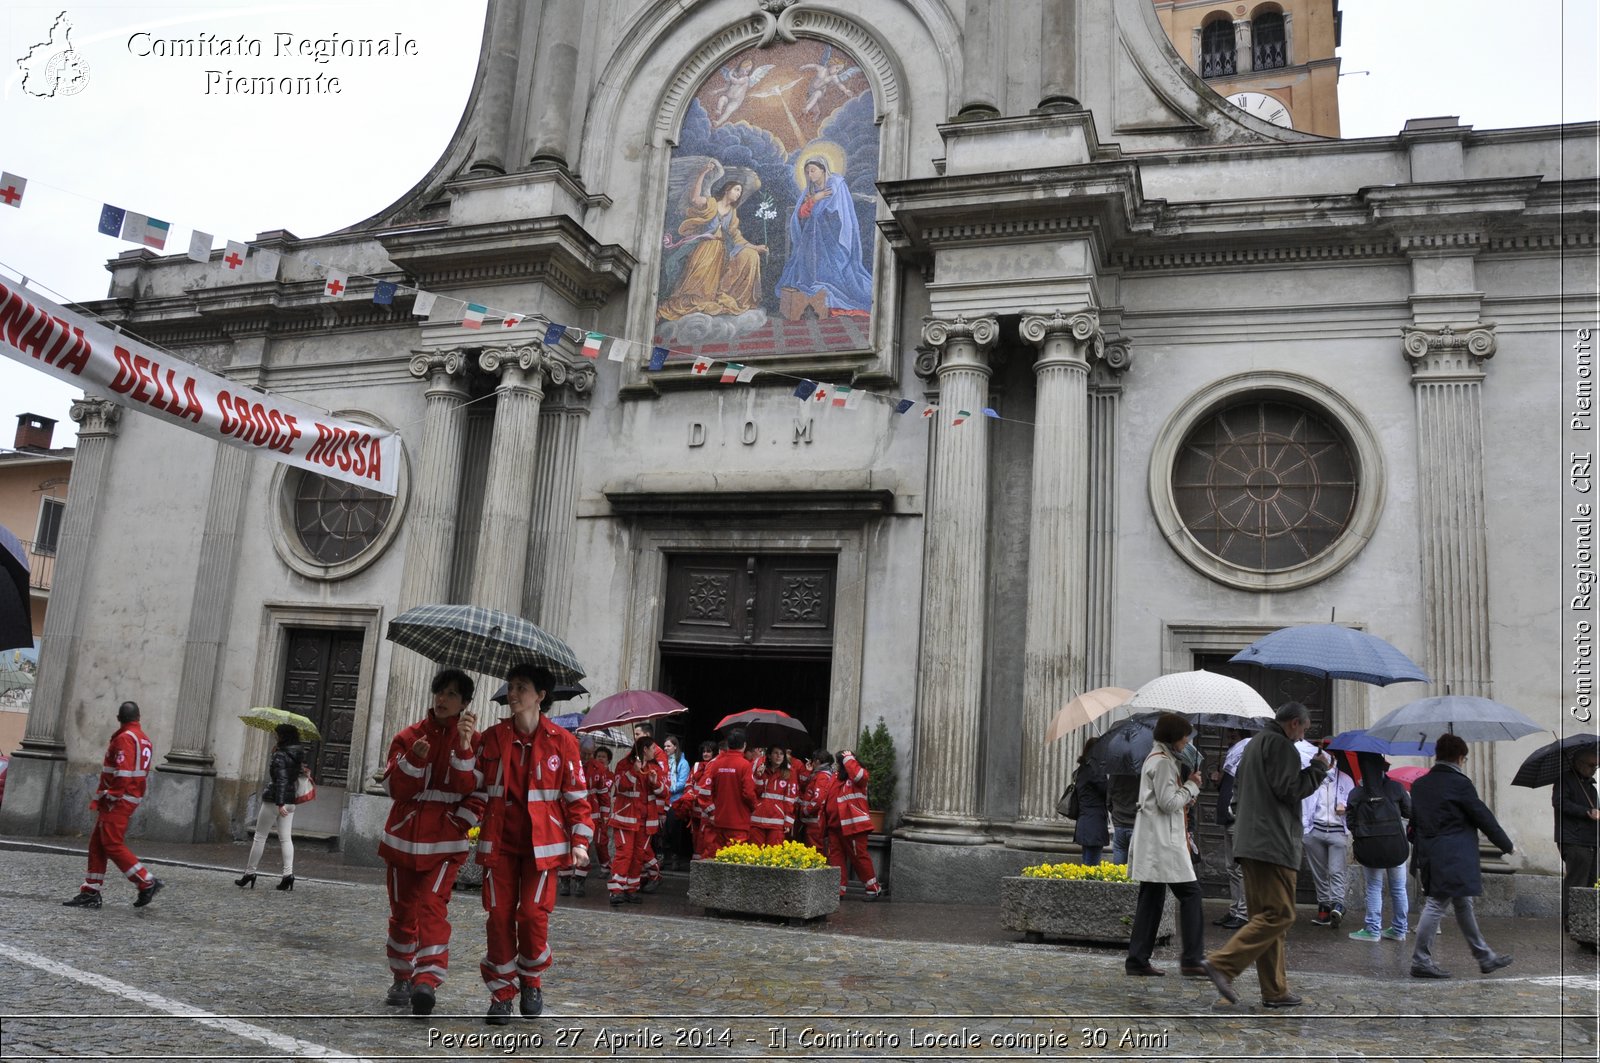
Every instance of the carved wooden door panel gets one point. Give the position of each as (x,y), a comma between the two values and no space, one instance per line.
(321,675)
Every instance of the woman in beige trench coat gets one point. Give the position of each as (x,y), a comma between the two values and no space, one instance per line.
(1158,856)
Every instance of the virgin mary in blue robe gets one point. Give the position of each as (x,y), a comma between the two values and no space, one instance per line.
(825,254)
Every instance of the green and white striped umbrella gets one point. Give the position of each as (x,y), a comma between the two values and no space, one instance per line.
(482,640)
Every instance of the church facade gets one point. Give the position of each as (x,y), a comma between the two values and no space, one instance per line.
(1107,378)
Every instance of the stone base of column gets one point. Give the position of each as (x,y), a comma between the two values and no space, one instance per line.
(361,828)
(34,785)
(177,805)
(943,830)
(959,874)
(1044,835)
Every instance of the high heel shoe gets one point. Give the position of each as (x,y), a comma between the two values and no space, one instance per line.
(246,879)
(286,883)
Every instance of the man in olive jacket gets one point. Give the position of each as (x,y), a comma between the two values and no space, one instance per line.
(1269,786)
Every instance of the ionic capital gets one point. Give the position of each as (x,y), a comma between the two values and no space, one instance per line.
(1064,340)
(960,343)
(95,417)
(492,359)
(425,365)
(1448,354)
(561,370)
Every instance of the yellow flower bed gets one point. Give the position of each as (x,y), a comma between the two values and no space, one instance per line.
(797,855)
(1104,871)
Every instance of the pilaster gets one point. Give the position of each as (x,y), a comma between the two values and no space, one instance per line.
(944,794)
(37,776)
(1447,371)
(502,553)
(1054,668)
(1105,400)
(548,594)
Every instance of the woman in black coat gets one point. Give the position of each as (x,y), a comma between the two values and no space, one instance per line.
(1092,829)
(1447,816)
(277,807)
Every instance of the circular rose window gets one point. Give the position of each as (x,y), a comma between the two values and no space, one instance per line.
(328,529)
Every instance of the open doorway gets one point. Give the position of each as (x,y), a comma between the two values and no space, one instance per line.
(714,686)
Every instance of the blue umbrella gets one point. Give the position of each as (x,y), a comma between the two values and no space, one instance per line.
(16,606)
(1332,651)
(1363,742)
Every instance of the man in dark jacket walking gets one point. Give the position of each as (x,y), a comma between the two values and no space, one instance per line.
(1267,843)
(1447,816)
(1577,809)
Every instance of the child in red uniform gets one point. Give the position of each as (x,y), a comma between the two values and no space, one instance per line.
(534,801)
(428,773)
(600,777)
(774,811)
(639,780)
(847,823)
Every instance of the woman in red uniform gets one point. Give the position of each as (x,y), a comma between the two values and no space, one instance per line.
(638,783)
(774,812)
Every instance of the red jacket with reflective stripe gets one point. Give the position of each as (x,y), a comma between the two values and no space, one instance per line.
(632,791)
(558,794)
(730,783)
(126,769)
(427,825)
(815,796)
(600,778)
(775,804)
(846,808)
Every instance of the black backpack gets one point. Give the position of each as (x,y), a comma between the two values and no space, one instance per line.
(1377,829)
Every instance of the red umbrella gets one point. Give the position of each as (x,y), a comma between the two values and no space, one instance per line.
(770,727)
(628,707)
(750,716)
(1406,776)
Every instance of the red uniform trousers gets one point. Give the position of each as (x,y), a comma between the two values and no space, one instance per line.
(627,861)
(766,835)
(814,836)
(847,852)
(419,927)
(106,841)
(705,839)
(519,899)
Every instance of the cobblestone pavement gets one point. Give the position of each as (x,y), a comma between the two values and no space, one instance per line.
(212,972)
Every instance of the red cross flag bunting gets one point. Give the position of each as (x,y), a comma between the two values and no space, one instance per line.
(11,189)
(233,257)
(108,365)
(336,285)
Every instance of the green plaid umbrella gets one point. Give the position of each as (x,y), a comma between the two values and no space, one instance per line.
(482,640)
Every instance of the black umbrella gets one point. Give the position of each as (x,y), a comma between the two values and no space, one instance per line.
(560,692)
(16,607)
(770,727)
(1122,749)
(1545,764)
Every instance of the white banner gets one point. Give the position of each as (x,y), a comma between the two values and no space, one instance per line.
(70,347)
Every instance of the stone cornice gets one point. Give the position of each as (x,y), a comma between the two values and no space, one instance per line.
(556,250)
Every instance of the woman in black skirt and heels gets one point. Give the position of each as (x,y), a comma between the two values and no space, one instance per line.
(277,807)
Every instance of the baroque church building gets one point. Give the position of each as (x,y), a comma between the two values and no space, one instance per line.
(1171,372)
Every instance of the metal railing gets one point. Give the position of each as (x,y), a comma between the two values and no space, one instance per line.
(41,566)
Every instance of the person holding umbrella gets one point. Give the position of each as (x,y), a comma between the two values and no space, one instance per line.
(1158,856)
(533,801)
(428,773)
(1577,810)
(277,807)
(1447,816)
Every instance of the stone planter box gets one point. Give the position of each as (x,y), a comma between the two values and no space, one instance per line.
(470,877)
(1583,920)
(1074,911)
(775,891)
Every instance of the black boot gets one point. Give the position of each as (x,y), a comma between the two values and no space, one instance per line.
(246,879)
(84,899)
(148,894)
(285,883)
(564,887)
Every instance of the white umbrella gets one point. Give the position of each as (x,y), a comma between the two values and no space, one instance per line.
(1204,697)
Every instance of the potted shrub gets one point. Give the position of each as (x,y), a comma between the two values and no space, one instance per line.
(1076,902)
(791,881)
(1584,914)
(876,753)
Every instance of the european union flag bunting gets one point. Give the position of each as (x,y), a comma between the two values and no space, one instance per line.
(111,219)
(383,294)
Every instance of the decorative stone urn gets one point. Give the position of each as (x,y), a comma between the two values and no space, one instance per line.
(1583,917)
(752,890)
(1073,910)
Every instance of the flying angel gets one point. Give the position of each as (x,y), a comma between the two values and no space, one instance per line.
(741,79)
(832,72)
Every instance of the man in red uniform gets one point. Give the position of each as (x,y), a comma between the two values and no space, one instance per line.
(123,775)
(428,773)
(845,817)
(729,784)
(639,779)
(534,802)
(774,812)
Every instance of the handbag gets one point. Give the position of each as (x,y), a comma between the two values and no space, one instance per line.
(304,789)
(1068,803)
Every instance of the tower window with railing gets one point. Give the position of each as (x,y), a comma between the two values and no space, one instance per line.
(1217,55)
(1270,40)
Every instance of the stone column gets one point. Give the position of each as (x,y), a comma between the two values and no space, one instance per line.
(1058,40)
(980,93)
(555,79)
(431,528)
(179,805)
(508,485)
(37,776)
(1054,668)
(944,792)
(1447,377)
(548,593)
(1105,395)
(498,92)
